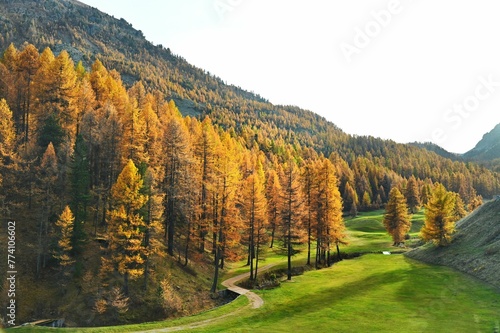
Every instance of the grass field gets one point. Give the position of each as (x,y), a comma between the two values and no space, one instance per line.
(371,293)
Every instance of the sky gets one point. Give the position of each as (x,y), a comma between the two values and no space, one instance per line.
(405,70)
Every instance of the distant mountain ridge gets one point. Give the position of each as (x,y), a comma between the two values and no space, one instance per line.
(438,150)
(488,148)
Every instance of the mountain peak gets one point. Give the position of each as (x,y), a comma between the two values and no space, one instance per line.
(488,148)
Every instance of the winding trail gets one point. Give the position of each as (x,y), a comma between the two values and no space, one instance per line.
(230,284)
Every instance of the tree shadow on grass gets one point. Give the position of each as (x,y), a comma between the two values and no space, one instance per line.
(329,297)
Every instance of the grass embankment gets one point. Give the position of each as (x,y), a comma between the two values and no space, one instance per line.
(475,248)
(371,293)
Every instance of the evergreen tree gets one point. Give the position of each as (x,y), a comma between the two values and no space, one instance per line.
(396,219)
(439,216)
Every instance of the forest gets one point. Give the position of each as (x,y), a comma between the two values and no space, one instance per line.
(93,167)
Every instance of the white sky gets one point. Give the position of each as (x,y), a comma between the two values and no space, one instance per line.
(410,71)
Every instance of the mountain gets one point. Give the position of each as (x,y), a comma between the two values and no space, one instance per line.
(488,148)
(88,34)
(475,246)
(438,150)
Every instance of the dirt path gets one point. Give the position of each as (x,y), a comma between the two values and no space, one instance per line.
(230,284)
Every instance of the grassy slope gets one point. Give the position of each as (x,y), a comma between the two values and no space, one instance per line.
(373,293)
(370,293)
(475,248)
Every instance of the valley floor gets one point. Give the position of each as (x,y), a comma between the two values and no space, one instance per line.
(370,293)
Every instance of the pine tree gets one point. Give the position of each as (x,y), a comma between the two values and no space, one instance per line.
(126,225)
(396,219)
(65,223)
(439,216)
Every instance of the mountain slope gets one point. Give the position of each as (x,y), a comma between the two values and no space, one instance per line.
(475,248)
(89,34)
(488,148)
(438,150)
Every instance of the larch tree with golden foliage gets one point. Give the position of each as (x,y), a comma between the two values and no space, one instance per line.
(126,225)
(330,228)
(28,63)
(273,195)
(253,212)
(205,146)
(309,187)
(413,195)
(48,173)
(227,223)
(177,159)
(440,216)
(291,211)
(396,218)
(7,136)
(65,224)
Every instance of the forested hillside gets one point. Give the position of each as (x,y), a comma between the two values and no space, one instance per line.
(487,150)
(120,161)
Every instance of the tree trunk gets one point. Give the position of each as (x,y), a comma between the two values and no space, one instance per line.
(289,241)
(125,283)
(186,249)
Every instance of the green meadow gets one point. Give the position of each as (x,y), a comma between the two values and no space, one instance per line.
(370,293)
